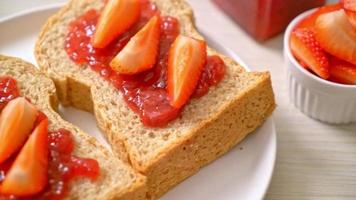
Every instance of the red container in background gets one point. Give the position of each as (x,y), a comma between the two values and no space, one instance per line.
(264,19)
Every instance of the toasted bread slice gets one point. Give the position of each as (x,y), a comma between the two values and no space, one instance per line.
(209,126)
(117,180)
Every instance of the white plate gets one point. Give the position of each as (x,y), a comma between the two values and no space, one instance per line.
(243,173)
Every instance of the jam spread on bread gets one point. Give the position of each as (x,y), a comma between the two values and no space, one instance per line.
(43,159)
(64,167)
(127,64)
(8,91)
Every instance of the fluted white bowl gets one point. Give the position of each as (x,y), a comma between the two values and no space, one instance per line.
(318,98)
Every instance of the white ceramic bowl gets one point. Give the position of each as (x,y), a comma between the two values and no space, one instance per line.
(318,98)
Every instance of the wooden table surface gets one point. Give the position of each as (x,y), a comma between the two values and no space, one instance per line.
(314,160)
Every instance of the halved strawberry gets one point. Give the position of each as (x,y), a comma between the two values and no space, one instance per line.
(342,71)
(28,174)
(309,21)
(16,122)
(306,48)
(186,60)
(117,17)
(350,10)
(140,53)
(336,35)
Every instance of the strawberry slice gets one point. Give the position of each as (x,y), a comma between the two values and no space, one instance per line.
(350,10)
(309,21)
(186,60)
(342,71)
(16,122)
(307,49)
(140,53)
(117,17)
(28,174)
(336,35)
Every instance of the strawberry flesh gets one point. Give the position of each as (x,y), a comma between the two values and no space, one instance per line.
(187,57)
(31,165)
(140,53)
(16,122)
(342,71)
(117,17)
(306,48)
(350,10)
(336,35)
(309,21)
(349,5)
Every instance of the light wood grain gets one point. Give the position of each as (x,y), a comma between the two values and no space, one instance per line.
(314,160)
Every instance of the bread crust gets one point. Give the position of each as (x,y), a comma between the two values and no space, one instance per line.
(36,86)
(196,143)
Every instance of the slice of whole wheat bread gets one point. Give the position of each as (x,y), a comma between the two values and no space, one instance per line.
(209,126)
(117,180)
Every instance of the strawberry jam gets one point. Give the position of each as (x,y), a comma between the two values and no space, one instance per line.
(63,166)
(144,93)
(8,91)
(213,73)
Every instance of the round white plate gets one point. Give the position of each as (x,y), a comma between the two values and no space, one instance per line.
(243,173)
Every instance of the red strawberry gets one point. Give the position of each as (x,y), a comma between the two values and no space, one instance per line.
(140,53)
(309,21)
(306,48)
(117,17)
(342,71)
(336,35)
(28,174)
(16,122)
(350,10)
(304,65)
(187,57)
